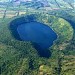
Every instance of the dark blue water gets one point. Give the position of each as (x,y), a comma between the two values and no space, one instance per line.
(37,33)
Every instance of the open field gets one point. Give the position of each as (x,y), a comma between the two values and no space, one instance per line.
(10,13)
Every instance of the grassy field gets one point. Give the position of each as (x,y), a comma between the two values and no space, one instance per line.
(10,13)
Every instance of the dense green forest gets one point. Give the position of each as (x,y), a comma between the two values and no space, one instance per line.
(20,57)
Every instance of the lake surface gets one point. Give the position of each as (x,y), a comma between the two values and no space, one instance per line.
(37,33)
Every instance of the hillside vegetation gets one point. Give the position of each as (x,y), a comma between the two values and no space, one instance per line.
(21,58)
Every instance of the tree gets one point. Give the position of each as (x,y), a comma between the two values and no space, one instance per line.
(18,9)
(6,9)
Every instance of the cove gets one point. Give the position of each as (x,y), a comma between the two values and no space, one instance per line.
(37,33)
